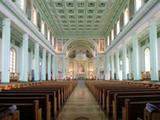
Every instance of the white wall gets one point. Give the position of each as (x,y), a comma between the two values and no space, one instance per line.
(0,54)
(142,57)
(18,56)
(158,53)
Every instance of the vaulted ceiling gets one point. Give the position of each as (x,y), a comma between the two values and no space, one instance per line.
(81,46)
(78,18)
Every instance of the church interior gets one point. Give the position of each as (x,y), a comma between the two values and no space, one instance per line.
(79,60)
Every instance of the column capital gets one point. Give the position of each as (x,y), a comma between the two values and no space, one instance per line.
(7,21)
(36,43)
(44,50)
(152,22)
(25,36)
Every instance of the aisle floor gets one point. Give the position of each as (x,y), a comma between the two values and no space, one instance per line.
(81,105)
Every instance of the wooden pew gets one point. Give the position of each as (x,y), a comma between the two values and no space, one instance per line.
(155,115)
(6,114)
(58,93)
(28,111)
(43,98)
(43,102)
(104,91)
(133,109)
(119,100)
(107,95)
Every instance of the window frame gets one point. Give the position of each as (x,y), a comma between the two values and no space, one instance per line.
(13,59)
(147,65)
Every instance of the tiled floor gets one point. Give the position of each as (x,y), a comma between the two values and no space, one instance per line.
(81,106)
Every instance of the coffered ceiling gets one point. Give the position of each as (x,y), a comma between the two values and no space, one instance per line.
(77,18)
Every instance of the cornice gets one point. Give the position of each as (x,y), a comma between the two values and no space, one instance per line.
(114,15)
(23,19)
(136,18)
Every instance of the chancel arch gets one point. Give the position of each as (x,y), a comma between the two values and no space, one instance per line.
(81,59)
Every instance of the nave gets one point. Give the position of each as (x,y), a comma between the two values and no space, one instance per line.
(81,105)
(81,100)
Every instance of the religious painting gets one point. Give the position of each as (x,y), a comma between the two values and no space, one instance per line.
(101,45)
(90,66)
(71,67)
(81,68)
(91,75)
(59,46)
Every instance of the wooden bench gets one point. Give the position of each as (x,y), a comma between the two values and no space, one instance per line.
(118,102)
(155,115)
(109,96)
(6,114)
(104,92)
(57,93)
(28,111)
(43,103)
(133,109)
(48,101)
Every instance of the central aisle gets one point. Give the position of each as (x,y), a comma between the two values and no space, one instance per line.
(81,105)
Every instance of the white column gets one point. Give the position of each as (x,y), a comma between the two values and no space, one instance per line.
(130,63)
(136,69)
(153,51)
(97,67)
(112,63)
(108,68)
(36,67)
(56,67)
(52,65)
(117,66)
(53,68)
(6,39)
(125,63)
(49,66)
(24,64)
(64,67)
(105,67)
(44,64)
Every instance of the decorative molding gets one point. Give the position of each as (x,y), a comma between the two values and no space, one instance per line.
(14,10)
(131,25)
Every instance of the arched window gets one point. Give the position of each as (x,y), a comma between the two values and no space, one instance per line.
(112,34)
(108,41)
(138,4)
(12,60)
(42,27)
(147,59)
(120,62)
(21,4)
(127,65)
(118,27)
(34,15)
(126,16)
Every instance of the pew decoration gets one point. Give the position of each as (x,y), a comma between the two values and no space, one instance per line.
(14,77)
(152,112)
(126,100)
(42,100)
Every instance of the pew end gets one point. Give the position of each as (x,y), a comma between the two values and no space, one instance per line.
(151,115)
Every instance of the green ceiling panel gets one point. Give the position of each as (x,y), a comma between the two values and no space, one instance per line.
(78,17)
